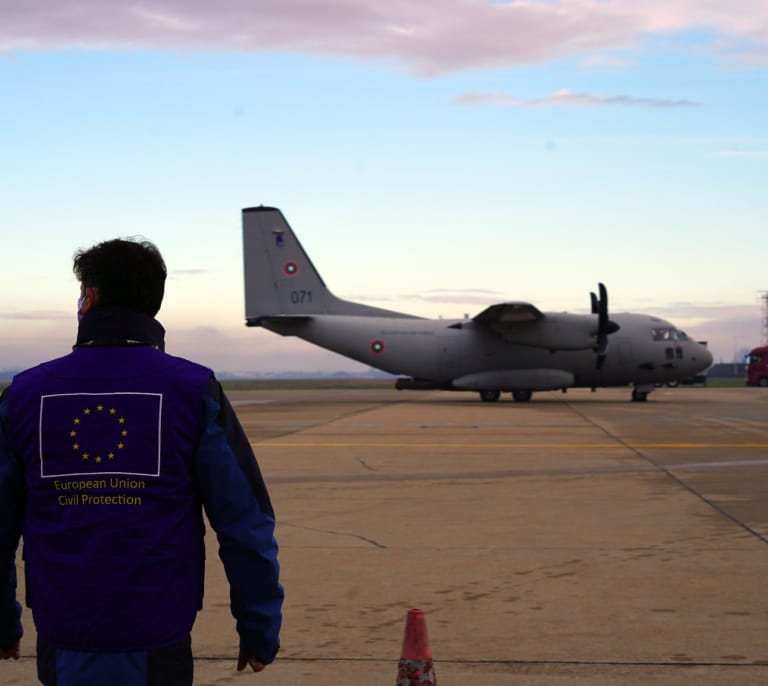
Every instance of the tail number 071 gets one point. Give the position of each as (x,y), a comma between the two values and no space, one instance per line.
(301,297)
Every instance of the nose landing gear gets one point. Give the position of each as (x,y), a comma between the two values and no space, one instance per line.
(640,392)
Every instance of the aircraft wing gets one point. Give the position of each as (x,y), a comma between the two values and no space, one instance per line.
(524,324)
(508,313)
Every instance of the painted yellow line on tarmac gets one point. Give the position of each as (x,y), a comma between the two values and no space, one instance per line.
(453,444)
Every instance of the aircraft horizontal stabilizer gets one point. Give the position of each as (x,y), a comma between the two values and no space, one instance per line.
(281,320)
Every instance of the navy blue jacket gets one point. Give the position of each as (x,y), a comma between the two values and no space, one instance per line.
(107,456)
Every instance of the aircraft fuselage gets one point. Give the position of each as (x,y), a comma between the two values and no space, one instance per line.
(445,350)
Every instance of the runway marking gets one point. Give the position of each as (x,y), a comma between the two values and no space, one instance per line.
(718,465)
(618,662)
(401,477)
(672,473)
(241,403)
(519,446)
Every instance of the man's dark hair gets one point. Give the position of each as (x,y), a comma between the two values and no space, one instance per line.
(128,273)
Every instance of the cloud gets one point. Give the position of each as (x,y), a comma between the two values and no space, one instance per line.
(605,62)
(567,97)
(188,272)
(716,312)
(431,37)
(39,315)
(744,153)
(469,296)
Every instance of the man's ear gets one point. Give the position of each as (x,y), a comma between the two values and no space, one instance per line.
(90,298)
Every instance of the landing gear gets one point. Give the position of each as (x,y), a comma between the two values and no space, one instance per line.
(490,396)
(493,396)
(640,392)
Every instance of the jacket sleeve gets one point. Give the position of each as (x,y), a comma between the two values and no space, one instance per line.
(12,499)
(238,507)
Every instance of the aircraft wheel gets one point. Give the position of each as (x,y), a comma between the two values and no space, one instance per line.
(490,396)
(522,396)
(639,396)
(673,384)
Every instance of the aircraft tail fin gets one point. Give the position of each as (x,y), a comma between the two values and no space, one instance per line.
(280,279)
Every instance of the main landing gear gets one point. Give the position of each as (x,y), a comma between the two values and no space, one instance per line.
(490,396)
(493,396)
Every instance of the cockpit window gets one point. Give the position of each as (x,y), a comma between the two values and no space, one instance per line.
(668,333)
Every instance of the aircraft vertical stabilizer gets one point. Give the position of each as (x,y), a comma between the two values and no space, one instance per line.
(280,279)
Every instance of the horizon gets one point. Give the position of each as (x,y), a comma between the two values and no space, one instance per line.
(433,158)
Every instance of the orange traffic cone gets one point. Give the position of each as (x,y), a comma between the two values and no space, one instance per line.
(415,667)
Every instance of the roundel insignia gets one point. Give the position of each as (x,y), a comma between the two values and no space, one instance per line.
(377,347)
(290,268)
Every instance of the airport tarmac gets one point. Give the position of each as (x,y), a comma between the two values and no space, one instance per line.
(575,539)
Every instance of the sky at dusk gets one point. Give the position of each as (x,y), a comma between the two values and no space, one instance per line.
(433,157)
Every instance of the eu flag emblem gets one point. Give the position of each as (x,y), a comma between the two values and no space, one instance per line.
(100,433)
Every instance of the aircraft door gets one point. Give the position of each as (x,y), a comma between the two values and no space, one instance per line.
(447,355)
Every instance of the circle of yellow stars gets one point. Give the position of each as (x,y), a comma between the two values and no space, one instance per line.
(83,452)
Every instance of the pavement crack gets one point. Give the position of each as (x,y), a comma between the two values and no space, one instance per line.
(365,465)
(669,474)
(346,534)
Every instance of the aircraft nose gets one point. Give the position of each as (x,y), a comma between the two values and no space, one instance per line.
(704,356)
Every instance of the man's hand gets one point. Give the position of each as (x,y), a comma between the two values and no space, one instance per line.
(13,651)
(245,659)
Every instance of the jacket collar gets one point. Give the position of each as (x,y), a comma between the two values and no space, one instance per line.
(118,326)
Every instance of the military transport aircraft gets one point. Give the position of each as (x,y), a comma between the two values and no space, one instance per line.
(508,347)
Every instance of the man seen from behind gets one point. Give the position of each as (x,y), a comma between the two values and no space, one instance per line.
(108,456)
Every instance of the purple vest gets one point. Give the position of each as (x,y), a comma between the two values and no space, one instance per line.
(113,531)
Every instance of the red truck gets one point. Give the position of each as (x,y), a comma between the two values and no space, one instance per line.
(757,366)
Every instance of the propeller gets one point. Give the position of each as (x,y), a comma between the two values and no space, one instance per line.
(605,326)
